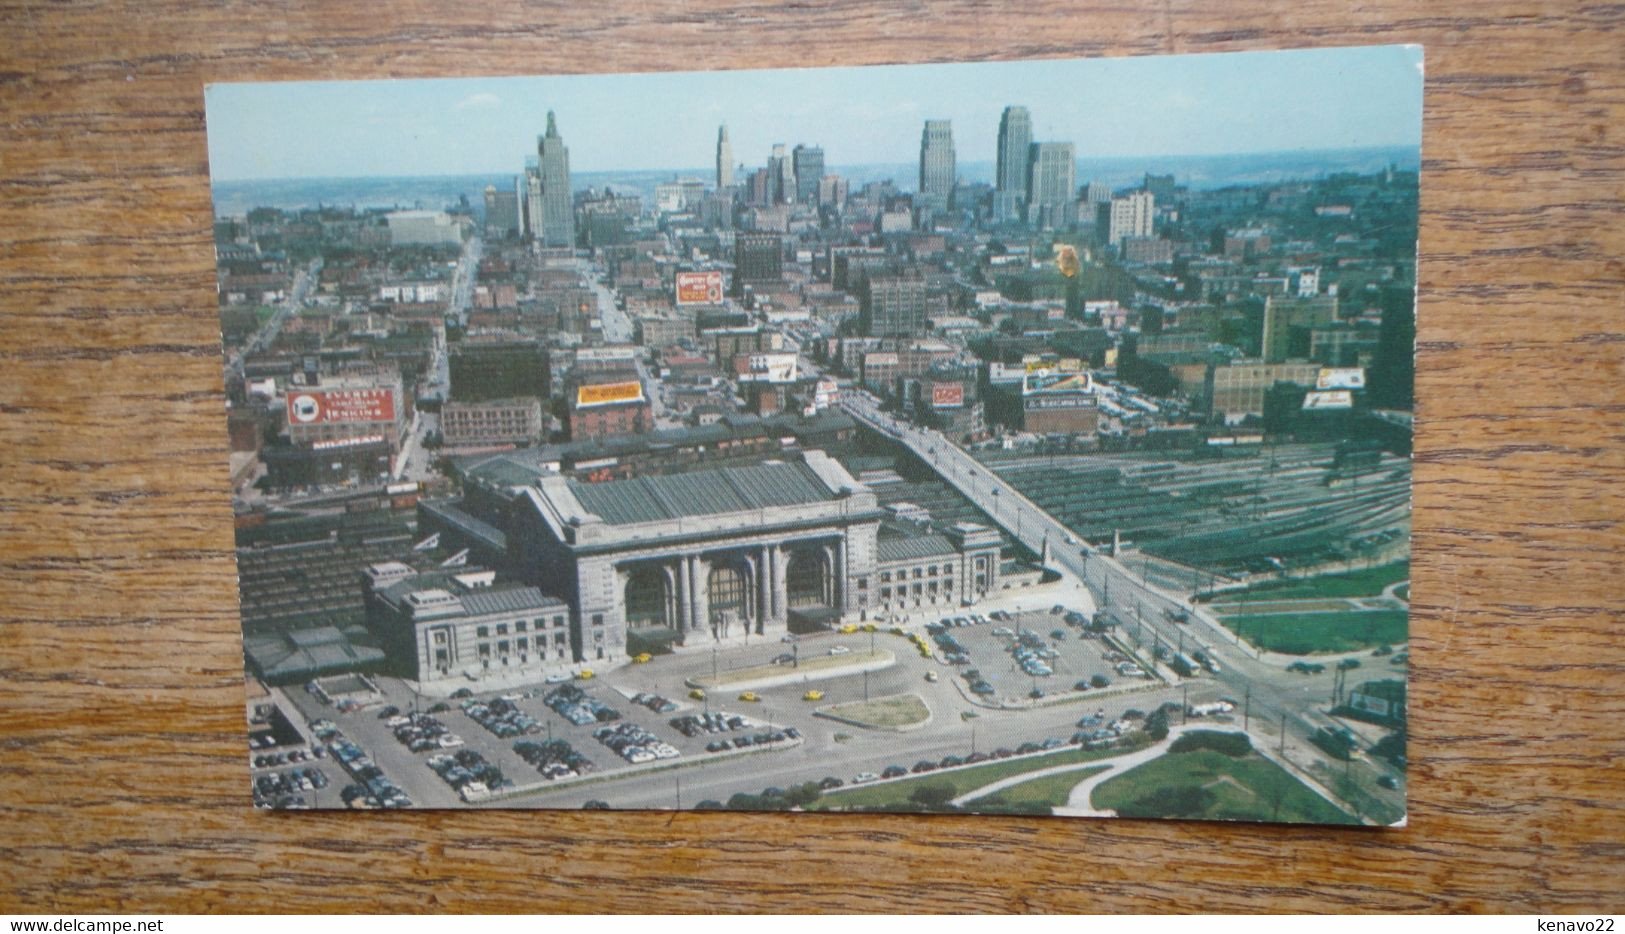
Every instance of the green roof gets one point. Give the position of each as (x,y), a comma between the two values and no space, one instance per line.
(702,493)
(913,547)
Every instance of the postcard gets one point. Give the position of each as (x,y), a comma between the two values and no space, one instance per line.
(1002,438)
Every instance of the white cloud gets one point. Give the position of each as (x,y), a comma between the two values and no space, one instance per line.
(479,102)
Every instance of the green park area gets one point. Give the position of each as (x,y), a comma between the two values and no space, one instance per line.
(1310,633)
(1364,583)
(930,791)
(1211,784)
(898,711)
(1036,795)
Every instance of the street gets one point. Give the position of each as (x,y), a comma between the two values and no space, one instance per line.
(1269,692)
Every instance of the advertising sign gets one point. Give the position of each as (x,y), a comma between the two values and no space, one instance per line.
(609,393)
(699,288)
(324,406)
(1341,378)
(947,395)
(1330,399)
(772,367)
(1051,383)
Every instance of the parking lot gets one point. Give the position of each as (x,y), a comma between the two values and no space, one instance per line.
(533,746)
(469,748)
(1032,655)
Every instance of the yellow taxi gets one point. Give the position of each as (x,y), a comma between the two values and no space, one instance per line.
(584,674)
(813,696)
(641,658)
(697,694)
(749,696)
(849,628)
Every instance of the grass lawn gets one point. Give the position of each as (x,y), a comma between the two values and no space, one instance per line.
(1050,791)
(816,666)
(882,712)
(1403,592)
(1366,583)
(1212,785)
(961,780)
(1309,633)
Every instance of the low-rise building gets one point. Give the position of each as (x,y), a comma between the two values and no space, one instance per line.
(500,421)
(462,625)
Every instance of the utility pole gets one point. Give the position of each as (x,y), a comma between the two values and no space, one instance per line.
(1247,709)
(679,780)
(1185,703)
(1283,733)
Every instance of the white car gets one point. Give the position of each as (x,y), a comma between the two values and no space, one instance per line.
(839,650)
(862,777)
(450,741)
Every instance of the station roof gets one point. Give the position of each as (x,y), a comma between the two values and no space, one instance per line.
(702,493)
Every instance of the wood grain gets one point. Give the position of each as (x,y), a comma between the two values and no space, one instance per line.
(121,740)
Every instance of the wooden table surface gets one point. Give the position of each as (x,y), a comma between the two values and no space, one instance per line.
(122,766)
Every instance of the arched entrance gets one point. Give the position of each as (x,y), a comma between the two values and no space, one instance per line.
(806,578)
(647,603)
(728,595)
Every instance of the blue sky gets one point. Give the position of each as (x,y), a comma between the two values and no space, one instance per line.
(1167,105)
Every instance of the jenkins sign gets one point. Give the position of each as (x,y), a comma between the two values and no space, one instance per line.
(322,406)
(699,288)
(609,393)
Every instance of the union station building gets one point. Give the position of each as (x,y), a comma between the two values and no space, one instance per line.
(718,555)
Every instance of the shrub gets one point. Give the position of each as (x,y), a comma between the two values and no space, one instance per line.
(1235,745)
(933,795)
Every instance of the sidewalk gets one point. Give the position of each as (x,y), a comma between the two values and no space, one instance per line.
(1114,766)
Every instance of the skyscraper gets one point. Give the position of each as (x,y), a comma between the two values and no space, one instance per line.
(809,168)
(1010,174)
(1129,216)
(1050,171)
(725,158)
(781,175)
(937,165)
(558,226)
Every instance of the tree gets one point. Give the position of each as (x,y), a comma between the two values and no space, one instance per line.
(933,796)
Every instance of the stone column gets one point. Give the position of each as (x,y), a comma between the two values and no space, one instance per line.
(843,601)
(681,594)
(780,580)
(764,577)
(701,576)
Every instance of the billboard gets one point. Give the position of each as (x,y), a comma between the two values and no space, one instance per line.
(1330,399)
(699,288)
(1341,378)
(947,395)
(325,406)
(609,393)
(1047,383)
(771,368)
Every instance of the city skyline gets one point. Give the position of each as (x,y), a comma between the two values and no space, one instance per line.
(1177,105)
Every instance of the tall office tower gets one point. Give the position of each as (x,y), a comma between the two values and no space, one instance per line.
(1130,216)
(558,227)
(809,169)
(1010,173)
(781,174)
(725,159)
(1095,193)
(892,305)
(937,165)
(832,189)
(521,190)
(535,205)
(1050,171)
